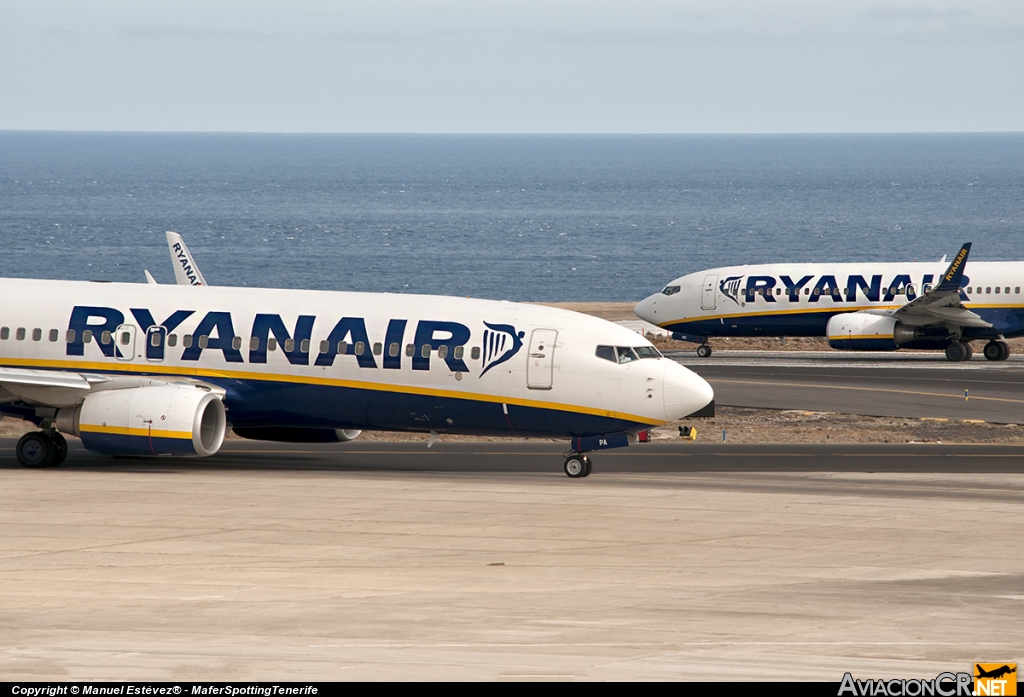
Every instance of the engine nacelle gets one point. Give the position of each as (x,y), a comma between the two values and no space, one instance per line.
(287,434)
(152,420)
(864,331)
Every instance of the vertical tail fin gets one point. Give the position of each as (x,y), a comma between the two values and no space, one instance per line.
(186,271)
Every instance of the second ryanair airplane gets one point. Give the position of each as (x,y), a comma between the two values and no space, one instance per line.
(148,369)
(860,307)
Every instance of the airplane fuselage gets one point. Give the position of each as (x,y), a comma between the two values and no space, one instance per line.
(337,360)
(800,299)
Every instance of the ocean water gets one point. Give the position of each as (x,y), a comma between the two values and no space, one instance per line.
(555,218)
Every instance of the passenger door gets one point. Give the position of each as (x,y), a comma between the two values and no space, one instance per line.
(709,292)
(124,342)
(541,360)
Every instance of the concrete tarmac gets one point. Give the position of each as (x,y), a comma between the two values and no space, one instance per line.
(916,385)
(483,561)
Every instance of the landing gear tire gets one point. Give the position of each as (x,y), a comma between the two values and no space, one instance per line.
(36,450)
(60,448)
(996,351)
(577,466)
(589,466)
(958,351)
(703,351)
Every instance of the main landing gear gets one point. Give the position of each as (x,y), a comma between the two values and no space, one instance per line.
(577,466)
(996,351)
(959,351)
(42,449)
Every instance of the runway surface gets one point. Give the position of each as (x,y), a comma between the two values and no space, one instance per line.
(483,561)
(916,385)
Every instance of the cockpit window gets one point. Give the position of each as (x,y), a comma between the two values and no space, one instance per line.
(670,290)
(606,352)
(626,354)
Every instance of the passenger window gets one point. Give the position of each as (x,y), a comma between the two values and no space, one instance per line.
(475,353)
(442,351)
(325,346)
(154,339)
(606,352)
(68,338)
(410,350)
(87,336)
(626,354)
(186,341)
(807,291)
(459,351)
(271,344)
(425,351)
(5,333)
(289,345)
(997,290)
(1007,290)
(378,348)
(360,348)
(126,338)
(204,340)
(54,335)
(37,334)
(342,348)
(988,290)
(20,334)
(254,343)
(304,346)
(1017,290)
(105,338)
(968,290)
(172,340)
(394,349)
(236,343)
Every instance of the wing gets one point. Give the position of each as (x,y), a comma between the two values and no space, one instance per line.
(55,388)
(942,304)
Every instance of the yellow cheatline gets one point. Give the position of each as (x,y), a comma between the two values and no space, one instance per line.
(837,310)
(179,371)
(144,432)
(859,336)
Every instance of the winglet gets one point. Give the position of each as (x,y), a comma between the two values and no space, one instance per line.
(149,278)
(186,272)
(954,276)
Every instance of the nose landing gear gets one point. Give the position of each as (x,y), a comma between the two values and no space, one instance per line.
(704,350)
(42,449)
(577,466)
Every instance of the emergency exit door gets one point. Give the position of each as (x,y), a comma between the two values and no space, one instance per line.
(541,365)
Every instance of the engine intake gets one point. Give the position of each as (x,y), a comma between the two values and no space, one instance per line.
(151,420)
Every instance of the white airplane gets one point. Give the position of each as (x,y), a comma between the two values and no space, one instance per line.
(860,307)
(144,369)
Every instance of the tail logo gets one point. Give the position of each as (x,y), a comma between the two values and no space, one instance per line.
(501,342)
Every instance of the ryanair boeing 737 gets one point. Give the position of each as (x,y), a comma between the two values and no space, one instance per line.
(860,307)
(148,369)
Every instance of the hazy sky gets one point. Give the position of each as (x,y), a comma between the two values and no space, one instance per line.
(524,66)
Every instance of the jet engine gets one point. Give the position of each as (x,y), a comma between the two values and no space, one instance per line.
(865,331)
(287,434)
(152,420)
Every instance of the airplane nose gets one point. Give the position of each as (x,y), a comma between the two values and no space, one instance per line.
(646,309)
(685,392)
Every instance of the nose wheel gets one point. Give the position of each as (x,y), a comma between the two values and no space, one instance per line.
(577,466)
(703,351)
